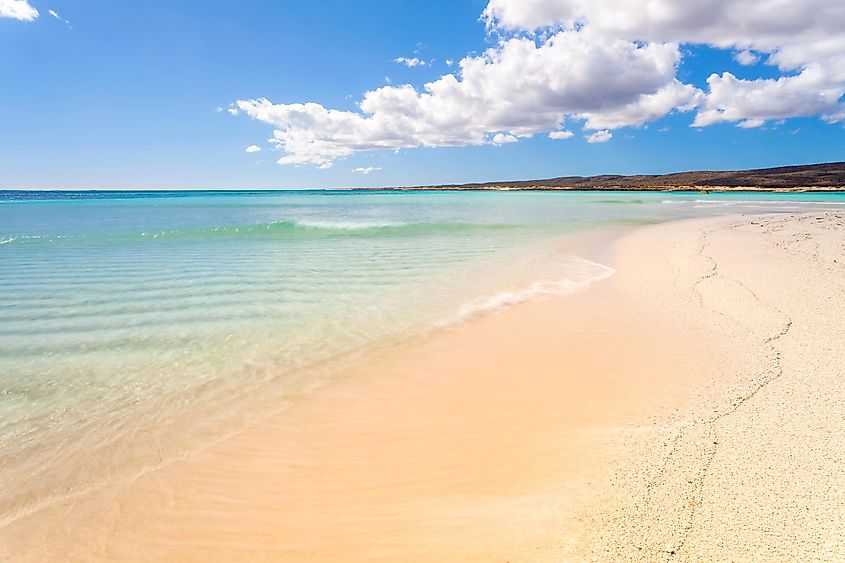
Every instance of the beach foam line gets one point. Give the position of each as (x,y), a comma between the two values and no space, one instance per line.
(768,202)
(349,225)
(9,239)
(750,206)
(282,228)
(783,204)
(491,303)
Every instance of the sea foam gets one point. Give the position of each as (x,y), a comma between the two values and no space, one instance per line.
(349,225)
(584,273)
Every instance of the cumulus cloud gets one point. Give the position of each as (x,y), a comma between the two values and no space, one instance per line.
(646,107)
(723,23)
(520,87)
(409,62)
(561,135)
(252,148)
(608,64)
(746,57)
(18,10)
(602,136)
(802,38)
(366,170)
(753,102)
(504,138)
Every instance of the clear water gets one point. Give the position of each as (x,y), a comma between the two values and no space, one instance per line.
(132,324)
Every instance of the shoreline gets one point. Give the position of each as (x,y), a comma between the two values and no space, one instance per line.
(692,189)
(210,427)
(699,189)
(492,440)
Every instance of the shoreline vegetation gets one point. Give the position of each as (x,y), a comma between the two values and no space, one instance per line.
(827,177)
(711,432)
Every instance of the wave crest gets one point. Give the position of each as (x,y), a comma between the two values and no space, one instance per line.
(285,228)
(584,275)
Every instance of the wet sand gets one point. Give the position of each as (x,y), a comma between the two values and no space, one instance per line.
(690,407)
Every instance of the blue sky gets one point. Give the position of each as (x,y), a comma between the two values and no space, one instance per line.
(126,95)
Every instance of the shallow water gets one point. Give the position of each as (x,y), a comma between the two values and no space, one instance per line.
(135,324)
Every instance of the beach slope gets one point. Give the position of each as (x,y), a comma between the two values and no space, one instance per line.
(751,469)
(689,408)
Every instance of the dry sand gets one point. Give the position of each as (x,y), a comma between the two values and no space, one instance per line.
(691,407)
(754,471)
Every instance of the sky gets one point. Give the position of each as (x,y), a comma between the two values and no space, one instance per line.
(289,94)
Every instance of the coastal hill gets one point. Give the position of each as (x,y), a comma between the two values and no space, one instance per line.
(811,177)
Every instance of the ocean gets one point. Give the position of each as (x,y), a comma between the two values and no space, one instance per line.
(135,326)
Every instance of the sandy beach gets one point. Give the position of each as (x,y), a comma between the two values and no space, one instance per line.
(411,282)
(689,408)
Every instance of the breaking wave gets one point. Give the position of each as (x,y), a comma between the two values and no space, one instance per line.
(584,274)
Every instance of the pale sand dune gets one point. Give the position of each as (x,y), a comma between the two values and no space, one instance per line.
(691,407)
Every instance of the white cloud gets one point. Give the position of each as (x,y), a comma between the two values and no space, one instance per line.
(602,136)
(608,63)
(519,88)
(503,138)
(449,62)
(752,102)
(18,10)
(722,23)
(252,149)
(561,135)
(802,38)
(56,15)
(366,170)
(409,62)
(746,57)
(233,111)
(646,107)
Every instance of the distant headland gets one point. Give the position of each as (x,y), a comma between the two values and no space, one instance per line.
(804,178)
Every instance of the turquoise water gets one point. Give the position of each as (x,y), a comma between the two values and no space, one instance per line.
(133,324)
